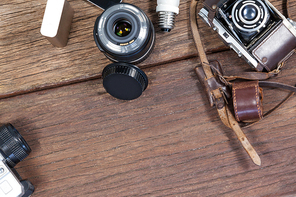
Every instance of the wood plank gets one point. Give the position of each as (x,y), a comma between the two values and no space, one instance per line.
(29,62)
(166,143)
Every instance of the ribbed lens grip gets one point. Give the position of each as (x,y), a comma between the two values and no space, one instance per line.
(129,71)
(13,145)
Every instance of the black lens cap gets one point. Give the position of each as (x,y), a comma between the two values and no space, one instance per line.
(124,81)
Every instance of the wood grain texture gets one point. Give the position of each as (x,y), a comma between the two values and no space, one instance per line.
(166,143)
(291,5)
(29,62)
(169,142)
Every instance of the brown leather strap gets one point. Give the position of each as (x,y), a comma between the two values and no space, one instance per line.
(278,105)
(272,85)
(277,85)
(251,76)
(197,40)
(200,49)
(247,99)
(221,105)
(211,5)
(229,120)
(248,75)
(242,138)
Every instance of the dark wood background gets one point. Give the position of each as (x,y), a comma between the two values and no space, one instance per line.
(169,142)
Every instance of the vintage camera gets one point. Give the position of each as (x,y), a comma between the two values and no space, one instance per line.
(125,34)
(254,29)
(13,149)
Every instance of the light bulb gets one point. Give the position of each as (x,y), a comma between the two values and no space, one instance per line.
(167,11)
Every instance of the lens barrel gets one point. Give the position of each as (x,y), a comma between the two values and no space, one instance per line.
(124,33)
(13,146)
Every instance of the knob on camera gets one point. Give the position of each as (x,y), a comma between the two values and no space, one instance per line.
(126,36)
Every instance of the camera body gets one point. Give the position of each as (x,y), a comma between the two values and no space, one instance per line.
(254,29)
(11,184)
(13,149)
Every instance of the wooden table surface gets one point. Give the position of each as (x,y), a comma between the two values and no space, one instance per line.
(168,142)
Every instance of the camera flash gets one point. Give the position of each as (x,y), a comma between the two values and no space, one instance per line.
(57,21)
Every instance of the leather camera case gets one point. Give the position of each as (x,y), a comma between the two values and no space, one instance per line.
(275,48)
(247,101)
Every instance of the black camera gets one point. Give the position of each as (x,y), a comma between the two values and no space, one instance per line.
(13,149)
(254,29)
(125,34)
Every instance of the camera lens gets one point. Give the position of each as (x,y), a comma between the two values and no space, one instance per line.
(124,33)
(250,16)
(249,12)
(12,145)
(122,28)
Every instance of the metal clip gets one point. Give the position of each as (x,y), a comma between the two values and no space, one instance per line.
(278,69)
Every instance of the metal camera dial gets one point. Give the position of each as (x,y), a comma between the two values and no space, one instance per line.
(249,16)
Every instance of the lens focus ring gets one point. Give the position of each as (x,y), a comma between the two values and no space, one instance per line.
(13,145)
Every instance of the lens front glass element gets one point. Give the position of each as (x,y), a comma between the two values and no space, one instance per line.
(249,12)
(122,28)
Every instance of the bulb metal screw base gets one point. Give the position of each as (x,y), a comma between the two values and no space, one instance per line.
(166,20)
